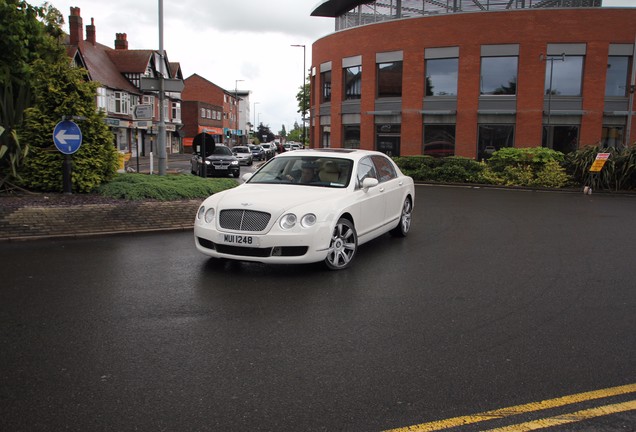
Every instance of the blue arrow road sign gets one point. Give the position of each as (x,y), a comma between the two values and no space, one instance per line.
(67,137)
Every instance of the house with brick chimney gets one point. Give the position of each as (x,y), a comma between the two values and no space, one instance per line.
(119,72)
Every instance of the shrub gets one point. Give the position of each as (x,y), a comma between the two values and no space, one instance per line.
(552,175)
(619,172)
(535,157)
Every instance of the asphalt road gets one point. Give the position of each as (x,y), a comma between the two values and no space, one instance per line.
(496,299)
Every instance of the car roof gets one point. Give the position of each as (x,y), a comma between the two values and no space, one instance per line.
(335,152)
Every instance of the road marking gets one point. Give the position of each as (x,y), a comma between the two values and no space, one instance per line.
(569,418)
(518,409)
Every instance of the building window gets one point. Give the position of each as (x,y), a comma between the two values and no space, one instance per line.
(352,82)
(492,138)
(102,99)
(202,113)
(176,112)
(389,79)
(616,82)
(613,137)
(439,140)
(441,77)
(325,83)
(122,102)
(326,136)
(387,139)
(561,138)
(563,75)
(149,100)
(351,134)
(498,75)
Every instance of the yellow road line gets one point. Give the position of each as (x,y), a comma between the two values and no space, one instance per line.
(518,409)
(569,418)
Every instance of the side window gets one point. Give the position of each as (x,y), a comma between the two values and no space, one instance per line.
(366,169)
(384,168)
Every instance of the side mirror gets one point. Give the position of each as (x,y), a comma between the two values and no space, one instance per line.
(369,182)
(247,176)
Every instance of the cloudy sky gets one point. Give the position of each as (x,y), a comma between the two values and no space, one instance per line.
(226,40)
(222,41)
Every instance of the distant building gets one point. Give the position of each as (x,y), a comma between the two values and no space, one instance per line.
(119,72)
(209,108)
(467,78)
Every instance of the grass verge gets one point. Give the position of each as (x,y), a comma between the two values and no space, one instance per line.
(164,188)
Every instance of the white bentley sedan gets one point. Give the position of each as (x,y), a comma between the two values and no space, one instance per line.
(307,206)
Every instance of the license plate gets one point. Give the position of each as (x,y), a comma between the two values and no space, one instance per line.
(239,240)
(220,167)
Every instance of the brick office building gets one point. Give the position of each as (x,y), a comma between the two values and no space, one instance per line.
(211,109)
(414,77)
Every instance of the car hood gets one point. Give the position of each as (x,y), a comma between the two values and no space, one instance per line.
(277,199)
(221,157)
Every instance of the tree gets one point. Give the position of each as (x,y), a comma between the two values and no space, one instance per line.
(283,132)
(28,33)
(303,97)
(296,134)
(38,87)
(264,134)
(64,92)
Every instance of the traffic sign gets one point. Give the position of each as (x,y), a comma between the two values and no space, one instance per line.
(67,137)
(142,112)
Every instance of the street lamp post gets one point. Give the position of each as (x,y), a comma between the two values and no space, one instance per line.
(161,133)
(255,125)
(236,113)
(303,87)
(551,60)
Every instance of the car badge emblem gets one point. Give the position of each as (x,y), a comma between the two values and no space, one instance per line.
(246,204)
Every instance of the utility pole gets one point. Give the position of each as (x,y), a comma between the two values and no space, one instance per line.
(304,95)
(161,137)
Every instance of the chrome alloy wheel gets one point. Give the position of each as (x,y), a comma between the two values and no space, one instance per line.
(405,219)
(343,246)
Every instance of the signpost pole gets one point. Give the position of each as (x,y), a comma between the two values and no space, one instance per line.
(67,137)
(66,174)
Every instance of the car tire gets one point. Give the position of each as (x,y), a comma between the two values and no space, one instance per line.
(343,246)
(404,225)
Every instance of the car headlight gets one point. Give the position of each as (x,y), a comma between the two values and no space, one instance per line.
(308,220)
(200,212)
(288,221)
(207,162)
(234,163)
(209,215)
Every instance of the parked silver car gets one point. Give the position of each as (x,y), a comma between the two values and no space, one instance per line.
(243,154)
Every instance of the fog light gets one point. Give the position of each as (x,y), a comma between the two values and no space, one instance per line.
(277,251)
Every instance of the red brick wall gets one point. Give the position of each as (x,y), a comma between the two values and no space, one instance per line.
(533,30)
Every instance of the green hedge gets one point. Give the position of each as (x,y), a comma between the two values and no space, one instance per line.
(534,167)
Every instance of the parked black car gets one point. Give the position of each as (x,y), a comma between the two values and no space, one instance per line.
(220,163)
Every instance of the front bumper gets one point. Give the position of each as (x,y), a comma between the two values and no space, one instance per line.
(296,246)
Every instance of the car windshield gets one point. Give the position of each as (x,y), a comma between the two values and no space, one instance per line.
(241,150)
(222,151)
(255,148)
(310,171)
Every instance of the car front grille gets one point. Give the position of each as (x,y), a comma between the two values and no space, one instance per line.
(244,220)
